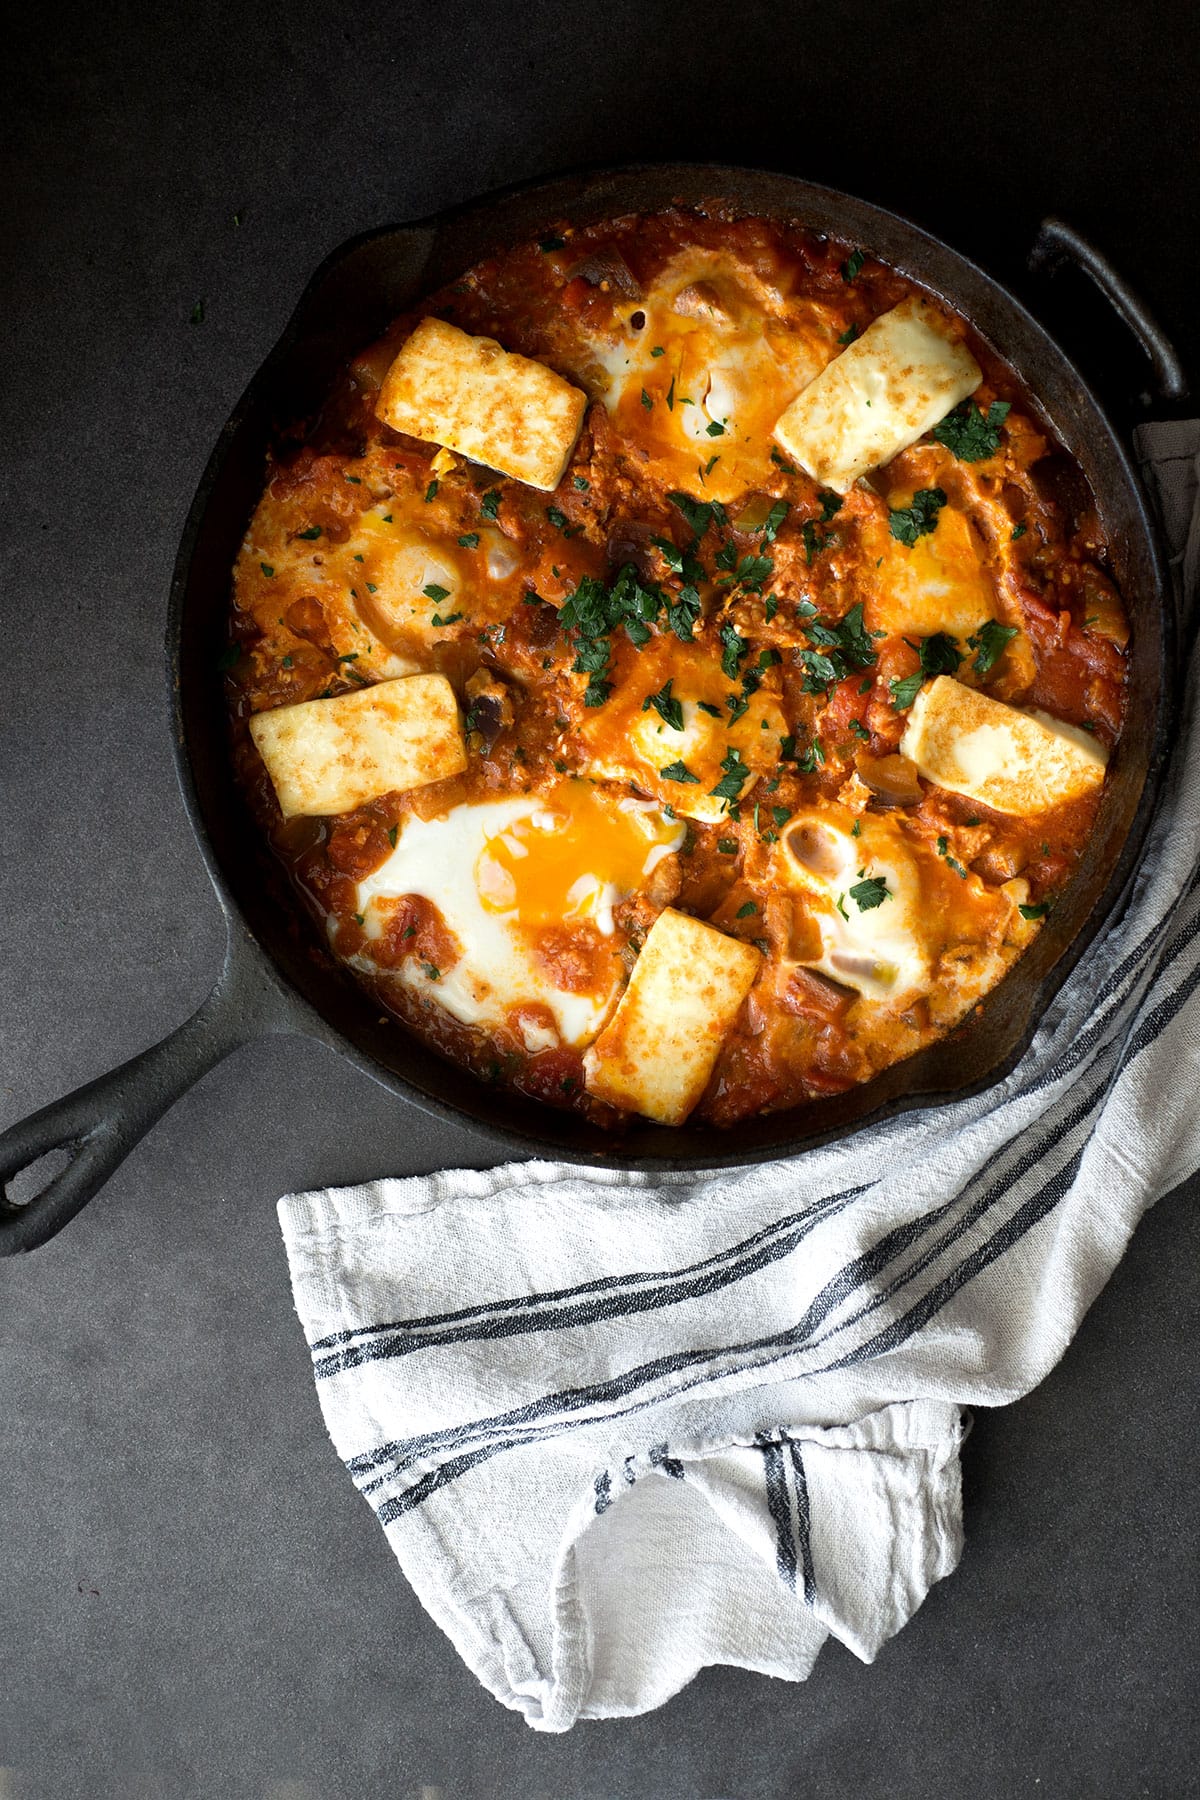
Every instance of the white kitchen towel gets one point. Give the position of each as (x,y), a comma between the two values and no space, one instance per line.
(618,1427)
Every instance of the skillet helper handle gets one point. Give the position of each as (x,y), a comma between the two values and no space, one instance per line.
(98,1125)
(1057,243)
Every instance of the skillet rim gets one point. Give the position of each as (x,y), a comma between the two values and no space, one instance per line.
(299,1013)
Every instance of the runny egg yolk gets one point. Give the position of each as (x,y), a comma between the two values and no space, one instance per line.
(573,858)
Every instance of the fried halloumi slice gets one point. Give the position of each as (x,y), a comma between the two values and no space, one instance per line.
(892,384)
(471,395)
(657,1051)
(329,756)
(1016,762)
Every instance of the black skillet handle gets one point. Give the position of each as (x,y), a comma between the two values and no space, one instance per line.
(98,1125)
(1057,243)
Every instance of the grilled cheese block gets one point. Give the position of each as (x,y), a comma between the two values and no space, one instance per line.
(891,385)
(471,395)
(329,756)
(1016,762)
(657,1052)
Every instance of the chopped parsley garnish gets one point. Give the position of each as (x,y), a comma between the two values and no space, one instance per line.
(737,704)
(647,402)
(489,506)
(989,643)
(678,771)
(714,429)
(699,514)
(908,523)
(773,521)
(869,893)
(469,540)
(744,912)
(551,242)
(770,607)
(848,336)
(841,650)
(671,396)
(727,846)
(435,593)
(288,661)
(666,706)
(671,553)
(814,543)
(1034,912)
(683,613)
(856,828)
(393,833)
(581,483)
(781,463)
(432,970)
(970,434)
(780,814)
(733,651)
(733,780)
(860,730)
(314,531)
(267,568)
(831,503)
(430,491)
(905,689)
(557,518)
(852,265)
(658,350)
(450,619)
(943,850)
(1018,531)
(714,712)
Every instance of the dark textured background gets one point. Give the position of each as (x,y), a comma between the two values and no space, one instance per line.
(193,1600)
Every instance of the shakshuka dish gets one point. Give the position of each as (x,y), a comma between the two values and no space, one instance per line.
(677,666)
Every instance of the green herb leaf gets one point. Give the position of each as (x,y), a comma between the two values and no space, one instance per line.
(679,771)
(313,532)
(647,402)
(450,619)
(432,970)
(905,690)
(266,568)
(970,434)
(870,893)
(489,506)
(1018,531)
(848,336)
(1034,912)
(781,463)
(860,730)
(733,651)
(668,709)
(658,350)
(714,712)
(772,522)
(581,482)
(745,911)
(727,846)
(852,265)
(733,780)
(831,504)
(714,429)
(908,523)
(431,490)
(989,643)
(469,540)
(435,593)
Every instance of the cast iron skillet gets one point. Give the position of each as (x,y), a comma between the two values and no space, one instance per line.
(277,979)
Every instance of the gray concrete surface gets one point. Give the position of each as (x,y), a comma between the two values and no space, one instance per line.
(193,1600)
